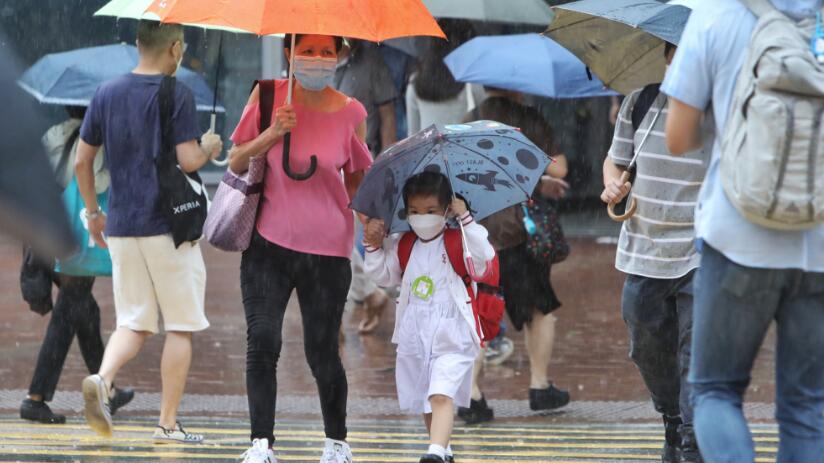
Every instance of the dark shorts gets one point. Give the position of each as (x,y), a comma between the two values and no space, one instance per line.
(526,285)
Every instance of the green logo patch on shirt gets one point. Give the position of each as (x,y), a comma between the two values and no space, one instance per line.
(423,287)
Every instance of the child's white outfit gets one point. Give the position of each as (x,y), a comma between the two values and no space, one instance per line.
(435,328)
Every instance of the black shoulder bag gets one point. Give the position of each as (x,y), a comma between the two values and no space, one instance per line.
(182,195)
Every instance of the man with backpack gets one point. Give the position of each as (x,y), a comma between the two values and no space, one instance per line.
(656,250)
(757,66)
(150,274)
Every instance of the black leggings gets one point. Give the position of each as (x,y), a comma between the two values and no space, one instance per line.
(75,312)
(268,274)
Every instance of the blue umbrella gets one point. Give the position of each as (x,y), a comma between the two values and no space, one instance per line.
(72,77)
(622,41)
(493,166)
(527,63)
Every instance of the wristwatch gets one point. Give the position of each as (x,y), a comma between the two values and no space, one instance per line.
(93,214)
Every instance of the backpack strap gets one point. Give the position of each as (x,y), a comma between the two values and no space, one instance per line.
(166,103)
(266,101)
(67,153)
(453,242)
(643,104)
(405,246)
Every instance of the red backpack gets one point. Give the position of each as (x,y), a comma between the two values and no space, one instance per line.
(487,306)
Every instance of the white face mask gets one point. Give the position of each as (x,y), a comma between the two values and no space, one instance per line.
(427,226)
(315,73)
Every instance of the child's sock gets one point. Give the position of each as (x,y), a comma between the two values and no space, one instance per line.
(435,449)
(449,451)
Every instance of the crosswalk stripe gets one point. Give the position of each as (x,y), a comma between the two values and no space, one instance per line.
(300,441)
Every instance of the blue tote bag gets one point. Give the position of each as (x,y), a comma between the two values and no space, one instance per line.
(90,259)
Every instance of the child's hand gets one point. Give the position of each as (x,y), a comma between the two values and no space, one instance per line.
(374,232)
(458,207)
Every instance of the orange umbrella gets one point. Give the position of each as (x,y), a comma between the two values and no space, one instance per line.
(373,20)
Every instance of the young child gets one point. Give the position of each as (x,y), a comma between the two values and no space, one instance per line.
(435,329)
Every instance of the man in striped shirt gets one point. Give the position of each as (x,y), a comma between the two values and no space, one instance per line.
(656,250)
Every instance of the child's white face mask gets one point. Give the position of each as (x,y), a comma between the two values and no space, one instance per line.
(427,226)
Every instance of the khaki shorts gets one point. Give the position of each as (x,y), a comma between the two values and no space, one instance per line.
(151,277)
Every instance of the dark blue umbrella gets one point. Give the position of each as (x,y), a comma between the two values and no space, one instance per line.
(492,165)
(72,77)
(526,63)
(622,41)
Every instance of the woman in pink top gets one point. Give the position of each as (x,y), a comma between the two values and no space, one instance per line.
(304,237)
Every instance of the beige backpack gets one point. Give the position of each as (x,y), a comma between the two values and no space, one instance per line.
(772,156)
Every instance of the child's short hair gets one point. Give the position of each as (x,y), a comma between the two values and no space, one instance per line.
(428,183)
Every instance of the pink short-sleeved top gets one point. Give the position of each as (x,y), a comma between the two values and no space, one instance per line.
(310,216)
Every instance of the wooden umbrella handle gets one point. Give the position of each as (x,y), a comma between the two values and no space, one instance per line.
(631,205)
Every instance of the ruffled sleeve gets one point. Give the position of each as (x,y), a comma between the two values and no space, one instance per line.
(359,157)
(249,126)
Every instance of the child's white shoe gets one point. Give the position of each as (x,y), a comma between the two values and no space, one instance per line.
(336,451)
(259,452)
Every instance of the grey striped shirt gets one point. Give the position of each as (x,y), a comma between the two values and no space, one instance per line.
(658,241)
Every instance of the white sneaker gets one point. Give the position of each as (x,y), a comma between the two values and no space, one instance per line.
(96,398)
(259,452)
(336,451)
(176,435)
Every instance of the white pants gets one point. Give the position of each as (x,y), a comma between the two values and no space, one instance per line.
(436,355)
(151,277)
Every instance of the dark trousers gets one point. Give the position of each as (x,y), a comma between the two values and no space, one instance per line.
(268,274)
(75,312)
(658,313)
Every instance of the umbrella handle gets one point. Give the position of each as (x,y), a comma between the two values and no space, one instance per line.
(631,205)
(225,160)
(313,161)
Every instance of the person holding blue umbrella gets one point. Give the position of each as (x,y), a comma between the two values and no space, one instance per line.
(454,173)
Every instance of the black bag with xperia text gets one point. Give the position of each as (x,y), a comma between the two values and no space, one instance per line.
(183,196)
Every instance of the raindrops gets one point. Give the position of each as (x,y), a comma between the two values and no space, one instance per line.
(503,160)
(527,159)
(486,144)
(402,214)
(520,178)
(502,131)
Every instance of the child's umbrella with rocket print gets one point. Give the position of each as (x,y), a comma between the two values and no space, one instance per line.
(491,165)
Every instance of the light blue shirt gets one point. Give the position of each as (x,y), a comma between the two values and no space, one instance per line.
(705,69)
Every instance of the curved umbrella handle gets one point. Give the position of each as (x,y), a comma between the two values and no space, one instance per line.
(631,204)
(628,213)
(313,161)
(222,163)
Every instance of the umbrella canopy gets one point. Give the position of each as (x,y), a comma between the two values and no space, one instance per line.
(535,12)
(374,20)
(72,77)
(622,41)
(527,63)
(492,165)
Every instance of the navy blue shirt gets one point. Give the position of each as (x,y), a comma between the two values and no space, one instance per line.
(124,116)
